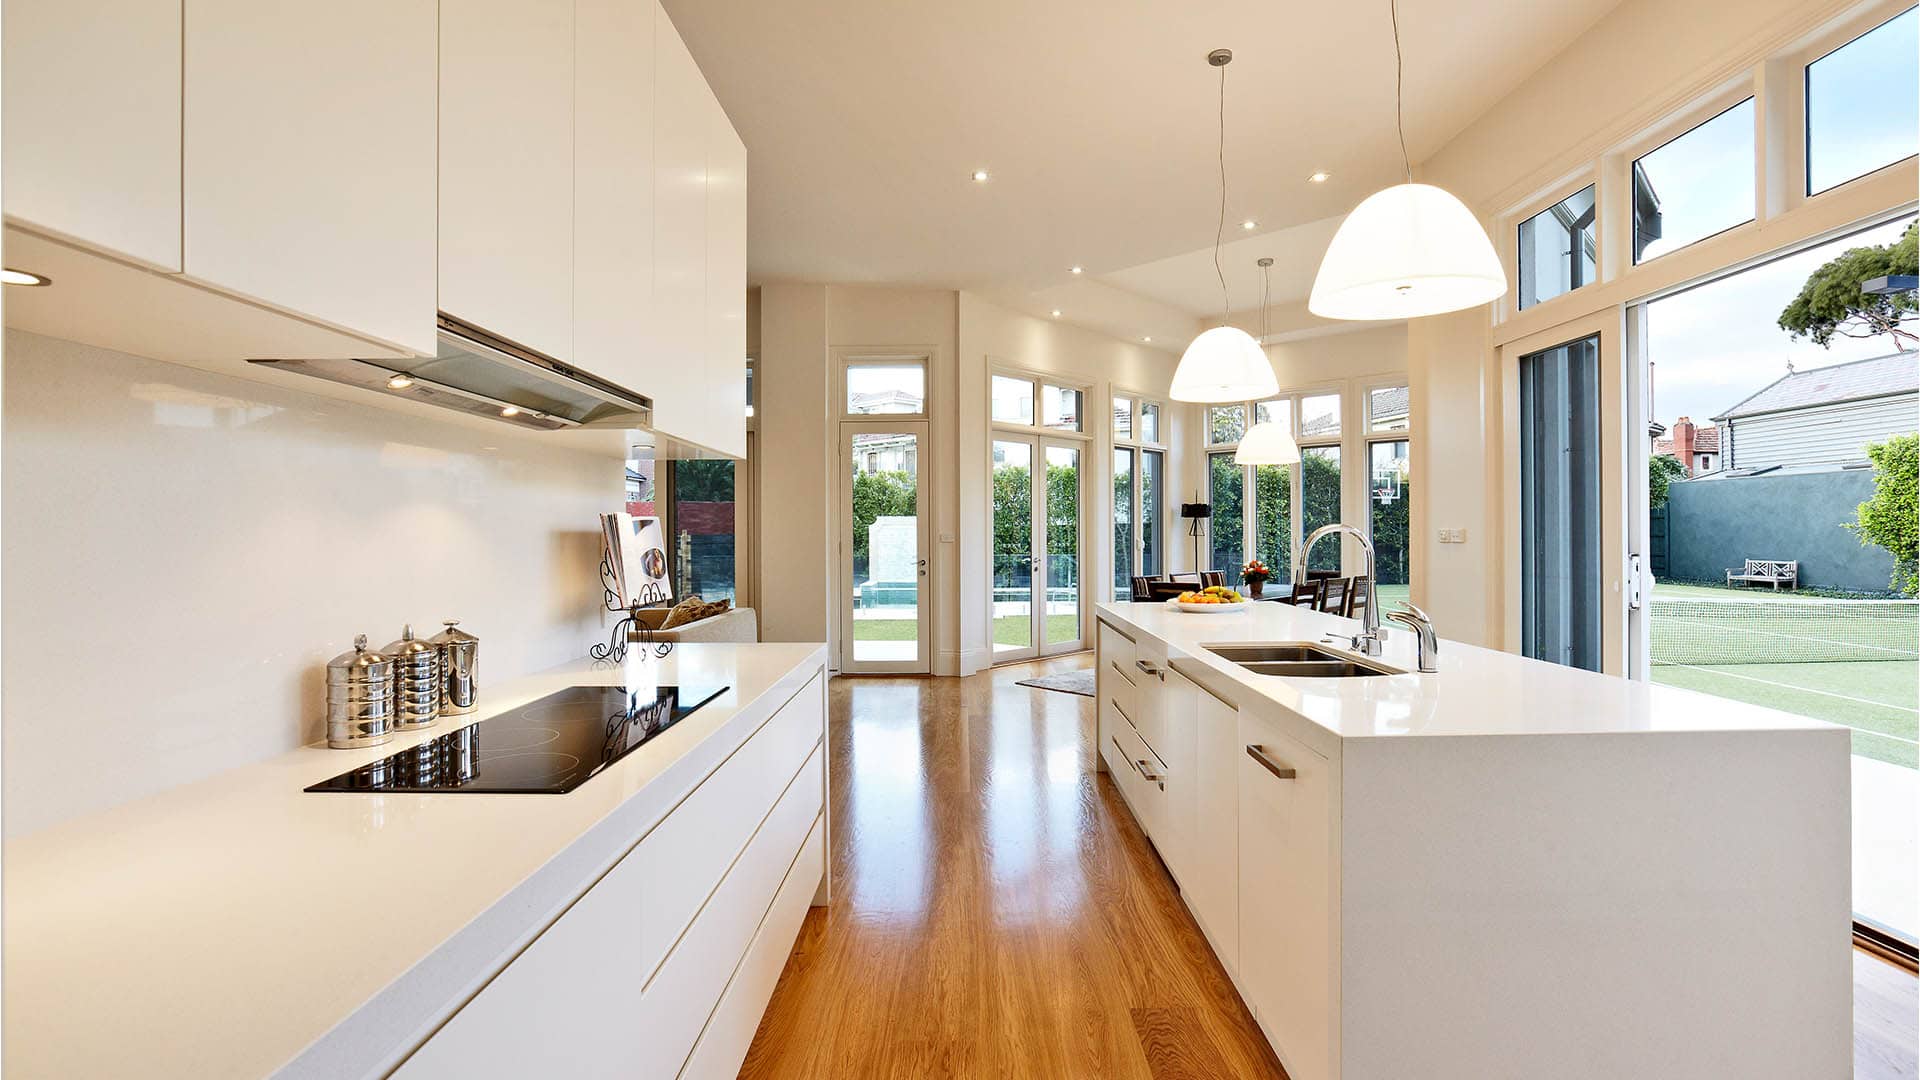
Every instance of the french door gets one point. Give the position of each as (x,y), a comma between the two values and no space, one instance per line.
(1573,544)
(883,548)
(1038,601)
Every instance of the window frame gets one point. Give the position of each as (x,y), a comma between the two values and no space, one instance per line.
(846,362)
(1684,124)
(1819,48)
(1040,380)
(1370,437)
(1136,488)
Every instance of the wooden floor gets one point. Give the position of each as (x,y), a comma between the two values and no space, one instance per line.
(997,912)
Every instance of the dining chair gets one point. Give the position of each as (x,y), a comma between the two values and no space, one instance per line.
(1212,577)
(1142,589)
(1307,593)
(1333,595)
(1359,595)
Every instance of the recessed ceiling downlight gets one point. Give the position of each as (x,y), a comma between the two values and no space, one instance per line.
(981,176)
(10,276)
(1320,177)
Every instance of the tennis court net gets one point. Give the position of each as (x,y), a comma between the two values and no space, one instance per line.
(1696,630)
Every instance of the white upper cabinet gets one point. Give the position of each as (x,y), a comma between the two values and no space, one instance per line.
(92,123)
(506,169)
(310,162)
(677,372)
(613,189)
(723,408)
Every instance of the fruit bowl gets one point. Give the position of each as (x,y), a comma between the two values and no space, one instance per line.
(1212,600)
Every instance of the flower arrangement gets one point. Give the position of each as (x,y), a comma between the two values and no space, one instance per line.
(1255,571)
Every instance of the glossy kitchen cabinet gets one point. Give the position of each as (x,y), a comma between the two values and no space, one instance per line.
(309,133)
(613,121)
(93,124)
(1209,814)
(506,185)
(1286,893)
(664,961)
(719,408)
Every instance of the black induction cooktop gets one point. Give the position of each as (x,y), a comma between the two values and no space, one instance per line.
(549,746)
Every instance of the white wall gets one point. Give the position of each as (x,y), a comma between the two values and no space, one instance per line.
(186,550)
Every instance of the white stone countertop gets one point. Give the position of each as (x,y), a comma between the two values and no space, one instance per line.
(242,927)
(1476,691)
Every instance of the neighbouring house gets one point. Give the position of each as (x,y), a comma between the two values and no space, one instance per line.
(1826,416)
(1697,448)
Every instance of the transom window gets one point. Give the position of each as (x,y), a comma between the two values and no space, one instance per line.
(1557,251)
(886,388)
(1695,184)
(1862,112)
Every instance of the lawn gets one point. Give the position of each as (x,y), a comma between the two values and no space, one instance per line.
(1007,630)
(1878,700)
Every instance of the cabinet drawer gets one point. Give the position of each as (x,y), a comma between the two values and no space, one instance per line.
(675,1006)
(1116,651)
(1150,691)
(1142,778)
(564,1006)
(1121,694)
(723,1046)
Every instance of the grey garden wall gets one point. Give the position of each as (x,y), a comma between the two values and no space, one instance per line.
(1715,524)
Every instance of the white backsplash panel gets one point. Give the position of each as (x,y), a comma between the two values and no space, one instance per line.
(185,550)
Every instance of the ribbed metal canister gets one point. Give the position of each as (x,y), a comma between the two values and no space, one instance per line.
(359,698)
(416,682)
(459,667)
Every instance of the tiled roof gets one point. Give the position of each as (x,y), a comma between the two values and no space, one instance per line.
(1706,440)
(1882,376)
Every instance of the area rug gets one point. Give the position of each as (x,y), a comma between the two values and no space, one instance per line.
(1067,682)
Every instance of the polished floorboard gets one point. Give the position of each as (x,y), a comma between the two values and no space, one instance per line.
(996,911)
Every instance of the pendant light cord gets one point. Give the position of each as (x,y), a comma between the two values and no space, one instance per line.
(1220,230)
(1399,124)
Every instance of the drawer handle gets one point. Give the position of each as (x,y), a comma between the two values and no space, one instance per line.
(1149,669)
(1259,754)
(1147,773)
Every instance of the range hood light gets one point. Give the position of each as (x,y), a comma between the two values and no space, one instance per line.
(10,276)
(510,410)
(400,381)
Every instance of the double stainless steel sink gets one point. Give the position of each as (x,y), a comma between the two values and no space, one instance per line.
(1298,659)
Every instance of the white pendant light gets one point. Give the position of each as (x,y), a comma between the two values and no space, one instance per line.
(1406,251)
(1224,363)
(1268,442)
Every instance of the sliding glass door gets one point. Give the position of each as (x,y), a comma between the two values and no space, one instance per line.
(1571,573)
(1038,598)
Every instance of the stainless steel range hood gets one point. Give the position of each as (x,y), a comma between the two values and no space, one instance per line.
(479,374)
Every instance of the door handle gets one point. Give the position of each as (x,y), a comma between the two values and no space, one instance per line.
(1259,754)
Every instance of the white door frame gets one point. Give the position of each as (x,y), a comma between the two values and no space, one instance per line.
(921,664)
(1623,534)
(1037,645)
(1082,448)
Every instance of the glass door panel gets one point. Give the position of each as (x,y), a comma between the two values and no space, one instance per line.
(1273,519)
(1226,486)
(1320,503)
(1560,505)
(883,615)
(1152,469)
(1389,498)
(1123,527)
(1013,608)
(1062,603)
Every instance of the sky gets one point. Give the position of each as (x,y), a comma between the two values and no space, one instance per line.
(1713,346)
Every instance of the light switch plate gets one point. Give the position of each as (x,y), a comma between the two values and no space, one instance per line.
(1453,536)
(946,538)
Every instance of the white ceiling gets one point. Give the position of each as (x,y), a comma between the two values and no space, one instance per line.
(1097,120)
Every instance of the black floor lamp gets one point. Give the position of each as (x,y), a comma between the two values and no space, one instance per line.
(1194,513)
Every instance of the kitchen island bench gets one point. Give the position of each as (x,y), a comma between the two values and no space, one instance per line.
(1505,868)
(243,927)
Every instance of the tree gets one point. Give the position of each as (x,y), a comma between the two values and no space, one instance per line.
(1662,470)
(1831,301)
(1891,519)
(877,495)
(1320,503)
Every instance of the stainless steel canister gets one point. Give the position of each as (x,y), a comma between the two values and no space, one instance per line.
(359,698)
(416,682)
(459,666)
